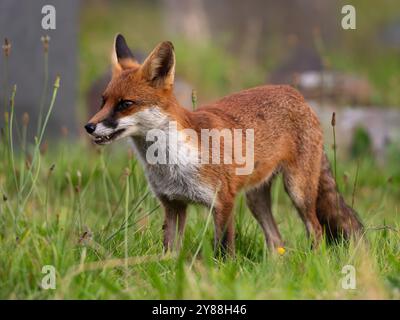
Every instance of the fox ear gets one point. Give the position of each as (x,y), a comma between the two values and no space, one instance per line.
(159,67)
(122,57)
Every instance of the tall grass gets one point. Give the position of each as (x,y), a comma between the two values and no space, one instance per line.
(45,40)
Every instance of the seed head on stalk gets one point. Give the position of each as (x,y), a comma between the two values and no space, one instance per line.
(25,119)
(6,50)
(6,47)
(333,123)
(45,40)
(194,99)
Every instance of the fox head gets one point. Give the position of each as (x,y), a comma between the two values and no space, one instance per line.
(138,95)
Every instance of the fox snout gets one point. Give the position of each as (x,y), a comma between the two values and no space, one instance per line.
(102,134)
(90,127)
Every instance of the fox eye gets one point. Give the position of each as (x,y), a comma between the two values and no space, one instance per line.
(124,104)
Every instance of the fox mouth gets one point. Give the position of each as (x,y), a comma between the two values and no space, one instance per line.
(109,138)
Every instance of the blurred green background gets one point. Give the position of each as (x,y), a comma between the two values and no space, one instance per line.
(228,45)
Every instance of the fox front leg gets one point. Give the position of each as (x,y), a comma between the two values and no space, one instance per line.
(174,221)
(224,241)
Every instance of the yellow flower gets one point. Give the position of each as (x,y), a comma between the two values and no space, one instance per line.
(281,250)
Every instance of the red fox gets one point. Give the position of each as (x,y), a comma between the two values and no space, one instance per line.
(287,139)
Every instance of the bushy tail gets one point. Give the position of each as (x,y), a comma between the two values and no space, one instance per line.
(336,217)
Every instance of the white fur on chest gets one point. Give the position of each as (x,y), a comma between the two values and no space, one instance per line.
(179,177)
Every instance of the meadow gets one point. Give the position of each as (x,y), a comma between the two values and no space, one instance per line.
(89,212)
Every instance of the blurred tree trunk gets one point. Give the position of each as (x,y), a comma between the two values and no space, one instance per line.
(187,18)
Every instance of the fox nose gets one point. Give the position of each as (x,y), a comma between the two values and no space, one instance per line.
(90,127)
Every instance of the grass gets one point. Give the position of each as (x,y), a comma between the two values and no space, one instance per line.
(91,216)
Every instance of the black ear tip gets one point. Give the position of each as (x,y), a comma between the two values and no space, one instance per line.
(121,47)
(119,40)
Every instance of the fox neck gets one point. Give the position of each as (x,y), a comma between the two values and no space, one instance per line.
(159,118)
(179,114)
(166,122)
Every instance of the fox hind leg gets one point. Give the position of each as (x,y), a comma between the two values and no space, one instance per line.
(302,187)
(259,202)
